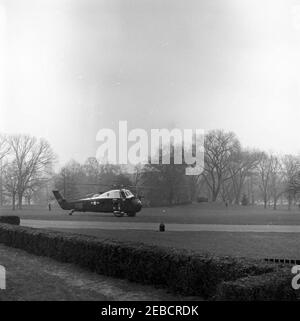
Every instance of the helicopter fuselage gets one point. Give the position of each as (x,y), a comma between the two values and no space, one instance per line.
(107,203)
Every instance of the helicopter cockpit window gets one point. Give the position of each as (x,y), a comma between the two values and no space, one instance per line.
(115,194)
(110,194)
(128,193)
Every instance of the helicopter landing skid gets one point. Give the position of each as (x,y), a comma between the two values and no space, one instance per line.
(118,213)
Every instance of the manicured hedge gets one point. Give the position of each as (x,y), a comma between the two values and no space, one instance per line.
(270,286)
(10,219)
(178,270)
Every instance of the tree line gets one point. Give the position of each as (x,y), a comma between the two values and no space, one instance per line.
(26,166)
(232,174)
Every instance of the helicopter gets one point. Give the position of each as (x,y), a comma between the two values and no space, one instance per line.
(117,201)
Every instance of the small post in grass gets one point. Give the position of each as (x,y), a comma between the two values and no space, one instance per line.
(161,227)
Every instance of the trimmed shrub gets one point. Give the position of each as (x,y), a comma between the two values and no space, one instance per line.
(179,270)
(245,200)
(270,286)
(10,219)
(202,199)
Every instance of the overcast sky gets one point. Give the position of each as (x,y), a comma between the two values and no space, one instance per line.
(71,67)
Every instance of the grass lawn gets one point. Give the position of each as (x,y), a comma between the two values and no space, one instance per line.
(282,245)
(256,245)
(31,278)
(37,278)
(194,213)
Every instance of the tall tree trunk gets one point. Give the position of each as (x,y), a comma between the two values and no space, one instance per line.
(171,196)
(14,201)
(289,201)
(252,191)
(214,195)
(20,197)
(215,192)
(238,197)
(1,192)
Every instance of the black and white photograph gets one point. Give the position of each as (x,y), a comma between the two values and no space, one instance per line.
(149,152)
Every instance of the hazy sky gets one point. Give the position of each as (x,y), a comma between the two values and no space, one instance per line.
(71,67)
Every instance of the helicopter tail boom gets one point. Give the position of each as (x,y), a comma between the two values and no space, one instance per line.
(61,201)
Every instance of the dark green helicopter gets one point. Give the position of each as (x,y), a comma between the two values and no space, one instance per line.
(117,201)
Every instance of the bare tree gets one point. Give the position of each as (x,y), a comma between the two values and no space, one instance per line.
(4,146)
(92,169)
(137,176)
(291,169)
(220,148)
(10,174)
(4,151)
(33,160)
(264,169)
(277,180)
(69,179)
(240,168)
